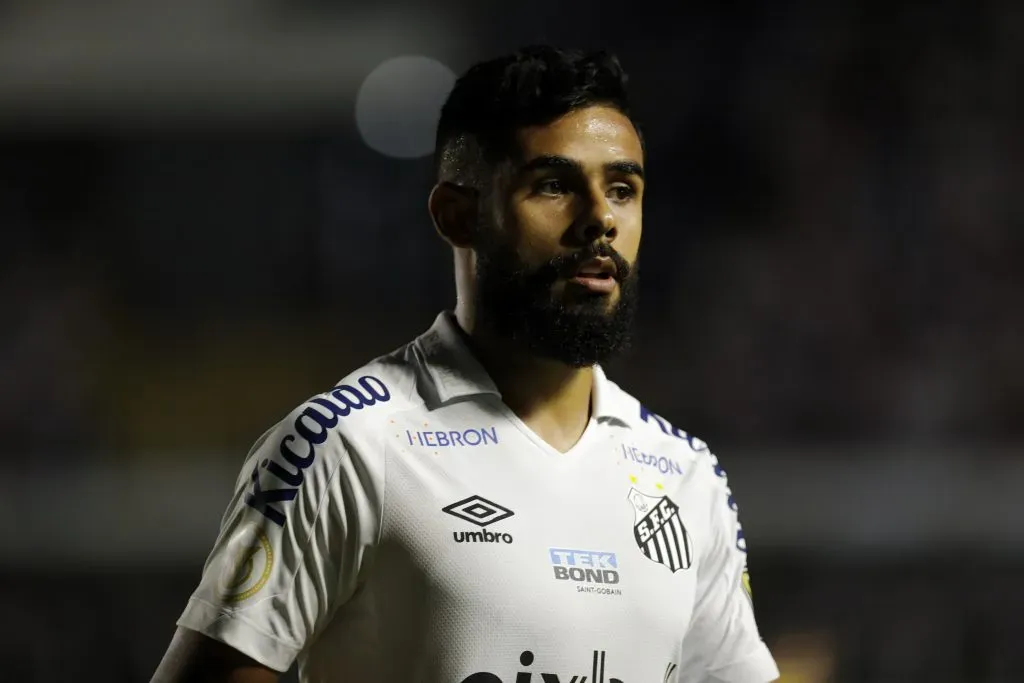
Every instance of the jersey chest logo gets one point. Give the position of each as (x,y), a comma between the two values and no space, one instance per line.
(659,532)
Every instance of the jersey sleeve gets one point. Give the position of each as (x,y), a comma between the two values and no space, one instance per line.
(722,644)
(293,542)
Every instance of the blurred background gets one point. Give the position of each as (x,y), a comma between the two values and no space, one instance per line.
(211,210)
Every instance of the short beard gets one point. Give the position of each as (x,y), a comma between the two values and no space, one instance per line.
(517,303)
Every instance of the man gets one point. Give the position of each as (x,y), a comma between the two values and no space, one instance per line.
(484,505)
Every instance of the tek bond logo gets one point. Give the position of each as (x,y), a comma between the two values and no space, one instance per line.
(590,570)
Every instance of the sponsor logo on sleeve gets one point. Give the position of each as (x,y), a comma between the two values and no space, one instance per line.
(741,540)
(276,481)
(666,427)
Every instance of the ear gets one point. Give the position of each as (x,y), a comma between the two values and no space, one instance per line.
(453,209)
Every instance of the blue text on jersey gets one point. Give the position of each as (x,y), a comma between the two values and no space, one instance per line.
(312,427)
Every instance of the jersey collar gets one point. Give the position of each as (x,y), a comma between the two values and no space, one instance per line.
(454,370)
(456,373)
(608,400)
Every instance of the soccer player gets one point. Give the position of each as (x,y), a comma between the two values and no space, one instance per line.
(483,505)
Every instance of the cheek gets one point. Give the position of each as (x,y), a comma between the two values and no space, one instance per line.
(545,219)
(630,228)
(539,230)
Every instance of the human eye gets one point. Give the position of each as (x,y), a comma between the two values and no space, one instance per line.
(622,192)
(552,187)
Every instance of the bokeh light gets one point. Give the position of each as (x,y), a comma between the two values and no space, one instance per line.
(398,105)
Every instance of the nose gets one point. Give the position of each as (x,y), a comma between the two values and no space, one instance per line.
(596,222)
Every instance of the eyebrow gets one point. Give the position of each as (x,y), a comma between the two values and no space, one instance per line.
(555,161)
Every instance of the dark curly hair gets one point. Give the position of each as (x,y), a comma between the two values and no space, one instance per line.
(532,86)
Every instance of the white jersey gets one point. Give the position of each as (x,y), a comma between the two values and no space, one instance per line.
(407,526)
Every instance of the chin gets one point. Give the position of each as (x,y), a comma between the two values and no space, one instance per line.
(591,303)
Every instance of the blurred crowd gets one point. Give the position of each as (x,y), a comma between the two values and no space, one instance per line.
(832,250)
(832,255)
(858,266)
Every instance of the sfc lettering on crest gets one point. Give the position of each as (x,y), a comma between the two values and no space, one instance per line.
(298,451)
(659,532)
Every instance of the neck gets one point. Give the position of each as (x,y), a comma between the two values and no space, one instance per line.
(535,389)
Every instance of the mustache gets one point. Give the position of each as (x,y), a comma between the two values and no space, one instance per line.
(567,264)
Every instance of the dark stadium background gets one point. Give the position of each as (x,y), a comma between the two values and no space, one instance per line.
(197,236)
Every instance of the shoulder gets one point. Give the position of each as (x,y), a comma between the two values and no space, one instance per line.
(672,449)
(354,409)
(335,431)
(347,417)
(652,428)
(657,434)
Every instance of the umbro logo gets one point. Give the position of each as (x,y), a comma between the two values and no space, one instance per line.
(481,512)
(478,510)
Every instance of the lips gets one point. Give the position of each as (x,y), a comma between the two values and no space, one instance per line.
(599,268)
(597,275)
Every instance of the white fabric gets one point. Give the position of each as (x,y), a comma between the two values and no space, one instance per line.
(407,526)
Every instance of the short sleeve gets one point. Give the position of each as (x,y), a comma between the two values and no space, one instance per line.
(293,542)
(722,644)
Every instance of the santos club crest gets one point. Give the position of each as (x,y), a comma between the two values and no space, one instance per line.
(659,532)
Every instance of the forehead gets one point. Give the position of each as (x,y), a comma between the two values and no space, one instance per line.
(590,135)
